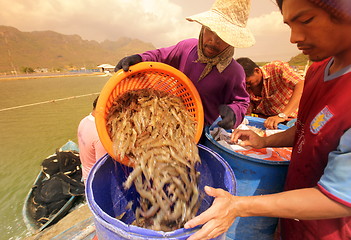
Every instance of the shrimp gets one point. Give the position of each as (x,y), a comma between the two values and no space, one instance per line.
(155,129)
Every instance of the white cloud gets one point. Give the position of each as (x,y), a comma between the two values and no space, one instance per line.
(99,20)
(272,39)
(266,24)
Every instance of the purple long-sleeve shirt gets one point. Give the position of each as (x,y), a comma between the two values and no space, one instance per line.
(216,88)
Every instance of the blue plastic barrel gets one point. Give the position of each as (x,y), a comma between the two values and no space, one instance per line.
(107,198)
(254,177)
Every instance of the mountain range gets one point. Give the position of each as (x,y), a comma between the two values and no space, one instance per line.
(55,51)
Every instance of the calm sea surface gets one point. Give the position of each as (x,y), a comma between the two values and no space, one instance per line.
(29,134)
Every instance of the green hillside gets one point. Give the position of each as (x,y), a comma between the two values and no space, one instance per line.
(299,60)
(52,50)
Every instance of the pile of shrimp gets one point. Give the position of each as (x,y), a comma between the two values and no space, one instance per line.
(155,131)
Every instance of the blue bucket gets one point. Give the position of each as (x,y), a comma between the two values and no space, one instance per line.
(254,177)
(107,198)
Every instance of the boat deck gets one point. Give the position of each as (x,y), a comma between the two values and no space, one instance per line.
(78,224)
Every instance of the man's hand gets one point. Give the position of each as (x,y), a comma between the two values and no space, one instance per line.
(272,122)
(248,138)
(228,117)
(126,62)
(217,219)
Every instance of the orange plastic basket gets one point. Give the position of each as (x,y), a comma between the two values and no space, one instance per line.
(143,75)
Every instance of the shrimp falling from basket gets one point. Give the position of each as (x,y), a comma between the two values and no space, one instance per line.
(156,132)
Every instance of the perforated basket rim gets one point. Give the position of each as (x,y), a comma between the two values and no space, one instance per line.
(112,83)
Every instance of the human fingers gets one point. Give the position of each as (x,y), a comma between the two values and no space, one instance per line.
(210,212)
(214,219)
(272,122)
(236,135)
(243,137)
(269,123)
(275,125)
(209,231)
(203,217)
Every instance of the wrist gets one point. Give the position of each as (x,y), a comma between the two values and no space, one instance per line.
(244,206)
(268,141)
(283,116)
(260,205)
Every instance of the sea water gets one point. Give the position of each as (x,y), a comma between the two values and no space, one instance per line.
(37,116)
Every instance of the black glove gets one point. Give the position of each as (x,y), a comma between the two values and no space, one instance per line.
(126,62)
(228,117)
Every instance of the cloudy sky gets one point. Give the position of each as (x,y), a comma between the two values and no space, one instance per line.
(160,22)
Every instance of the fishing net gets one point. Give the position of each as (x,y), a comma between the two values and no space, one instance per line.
(62,179)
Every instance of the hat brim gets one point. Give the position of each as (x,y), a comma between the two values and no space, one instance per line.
(234,35)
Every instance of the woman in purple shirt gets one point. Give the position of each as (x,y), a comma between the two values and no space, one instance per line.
(208,62)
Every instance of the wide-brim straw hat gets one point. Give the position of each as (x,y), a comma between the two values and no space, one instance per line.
(228,19)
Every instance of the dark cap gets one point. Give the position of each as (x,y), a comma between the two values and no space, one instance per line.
(337,8)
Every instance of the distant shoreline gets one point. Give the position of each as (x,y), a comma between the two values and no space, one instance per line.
(51,75)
